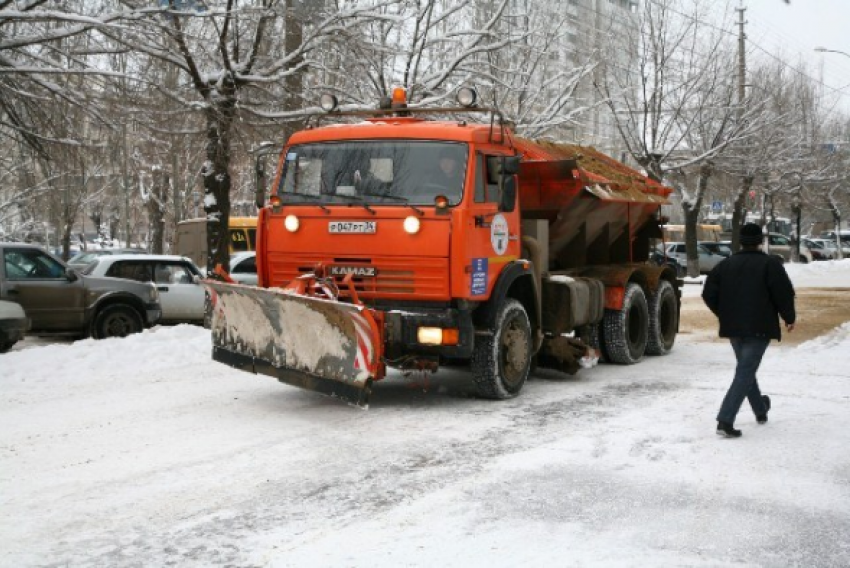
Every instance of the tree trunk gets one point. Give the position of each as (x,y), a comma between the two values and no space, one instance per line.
(739,213)
(156,209)
(217,180)
(836,221)
(691,210)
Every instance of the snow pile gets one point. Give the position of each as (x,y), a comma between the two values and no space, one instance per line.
(822,274)
(155,349)
(837,340)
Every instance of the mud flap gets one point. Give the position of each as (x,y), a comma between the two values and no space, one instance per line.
(314,343)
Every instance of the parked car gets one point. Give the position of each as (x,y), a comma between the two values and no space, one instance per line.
(181,297)
(243,267)
(658,258)
(14,323)
(843,235)
(829,242)
(782,246)
(820,249)
(59,300)
(707,259)
(84,258)
(722,248)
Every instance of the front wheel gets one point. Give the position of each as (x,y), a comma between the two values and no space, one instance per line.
(117,320)
(501,361)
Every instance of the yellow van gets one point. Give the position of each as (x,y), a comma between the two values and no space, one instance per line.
(191,239)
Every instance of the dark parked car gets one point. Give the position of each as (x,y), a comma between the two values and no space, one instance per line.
(13,324)
(657,258)
(57,299)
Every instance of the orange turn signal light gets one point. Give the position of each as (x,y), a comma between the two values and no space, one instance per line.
(451,336)
(441,201)
(275,200)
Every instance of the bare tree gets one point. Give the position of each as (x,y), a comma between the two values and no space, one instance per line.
(676,111)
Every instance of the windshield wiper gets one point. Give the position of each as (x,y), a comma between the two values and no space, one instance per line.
(316,203)
(405,200)
(359,200)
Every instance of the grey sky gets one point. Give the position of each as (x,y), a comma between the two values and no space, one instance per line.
(793,31)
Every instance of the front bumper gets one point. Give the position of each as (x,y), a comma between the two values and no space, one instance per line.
(153,313)
(13,329)
(402,327)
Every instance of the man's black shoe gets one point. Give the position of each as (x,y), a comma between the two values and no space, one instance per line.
(762,418)
(727,430)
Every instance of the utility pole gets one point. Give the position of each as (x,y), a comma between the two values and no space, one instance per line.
(742,62)
(738,211)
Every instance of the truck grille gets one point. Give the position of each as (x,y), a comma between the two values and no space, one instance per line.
(397,277)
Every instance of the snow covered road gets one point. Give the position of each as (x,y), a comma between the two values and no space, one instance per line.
(143,452)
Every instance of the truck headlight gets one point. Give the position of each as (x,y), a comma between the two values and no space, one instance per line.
(412,225)
(291,223)
(438,336)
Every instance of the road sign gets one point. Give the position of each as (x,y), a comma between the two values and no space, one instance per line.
(717,206)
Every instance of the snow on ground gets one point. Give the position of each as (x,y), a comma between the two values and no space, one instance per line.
(825,274)
(143,452)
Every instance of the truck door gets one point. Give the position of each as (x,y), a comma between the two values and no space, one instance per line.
(494,236)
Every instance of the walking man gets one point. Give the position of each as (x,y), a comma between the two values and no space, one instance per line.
(748,292)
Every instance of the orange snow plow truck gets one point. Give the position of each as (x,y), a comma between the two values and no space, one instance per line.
(399,240)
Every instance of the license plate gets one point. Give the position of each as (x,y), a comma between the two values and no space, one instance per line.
(361,271)
(352,226)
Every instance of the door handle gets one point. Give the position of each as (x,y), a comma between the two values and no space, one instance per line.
(162,288)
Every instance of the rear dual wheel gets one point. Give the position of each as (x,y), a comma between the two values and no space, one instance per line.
(625,332)
(663,320)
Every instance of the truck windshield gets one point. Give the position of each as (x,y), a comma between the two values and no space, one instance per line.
(375,172)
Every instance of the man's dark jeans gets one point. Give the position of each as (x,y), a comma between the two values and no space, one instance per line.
(748,352)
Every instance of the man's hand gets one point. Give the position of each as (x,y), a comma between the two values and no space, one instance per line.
(789,327)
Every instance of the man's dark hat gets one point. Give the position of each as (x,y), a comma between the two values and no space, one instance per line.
(751,235)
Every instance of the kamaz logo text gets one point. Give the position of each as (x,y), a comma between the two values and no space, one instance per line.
(361,271)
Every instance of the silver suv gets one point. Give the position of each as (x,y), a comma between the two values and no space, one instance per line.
(58,300)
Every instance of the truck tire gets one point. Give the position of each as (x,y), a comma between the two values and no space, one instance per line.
(116,320)
(625,331)
(663,320)
(501,361)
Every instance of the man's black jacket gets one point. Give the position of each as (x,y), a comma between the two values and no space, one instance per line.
(747,292)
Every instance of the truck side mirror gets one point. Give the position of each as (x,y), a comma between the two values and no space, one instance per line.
(508,168)
(260,180)
(265,150)
(71,274)
(508,201)
(510,165)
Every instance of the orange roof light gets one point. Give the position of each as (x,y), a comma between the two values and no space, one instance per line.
(399,96)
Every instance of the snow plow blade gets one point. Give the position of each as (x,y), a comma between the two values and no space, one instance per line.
(310,342)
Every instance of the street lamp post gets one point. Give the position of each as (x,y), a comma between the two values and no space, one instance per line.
(821,49)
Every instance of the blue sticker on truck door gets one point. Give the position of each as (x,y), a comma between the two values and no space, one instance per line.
(479,276)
